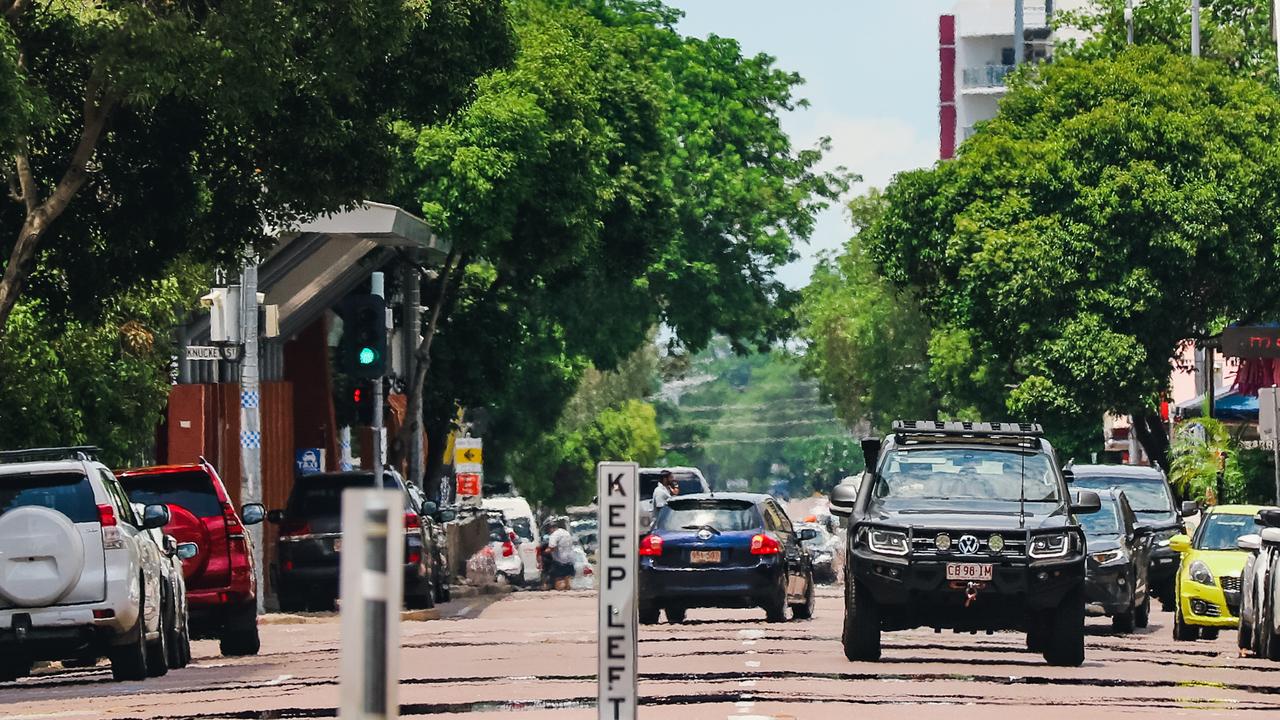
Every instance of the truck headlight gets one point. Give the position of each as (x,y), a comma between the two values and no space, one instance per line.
(1050,546)
(1199,572)
(887,542)
(1107,556)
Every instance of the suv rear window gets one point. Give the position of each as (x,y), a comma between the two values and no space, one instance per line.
(190,490)
(68,493)
(321,495)
(723,515)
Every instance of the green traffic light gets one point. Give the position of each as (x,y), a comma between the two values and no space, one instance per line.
(367,356)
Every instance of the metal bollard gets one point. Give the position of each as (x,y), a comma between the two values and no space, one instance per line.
(371,582)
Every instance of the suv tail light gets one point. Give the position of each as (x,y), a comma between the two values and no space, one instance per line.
(412,521)
(111,539)
(651,545)
(762,544)
(229,519)
(508,549)
(106,516)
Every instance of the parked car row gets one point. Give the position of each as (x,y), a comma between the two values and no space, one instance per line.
(85,572)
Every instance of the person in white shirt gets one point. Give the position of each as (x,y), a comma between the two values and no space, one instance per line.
(560,551)
(666,488)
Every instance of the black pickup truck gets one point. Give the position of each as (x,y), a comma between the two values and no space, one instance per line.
(966,526)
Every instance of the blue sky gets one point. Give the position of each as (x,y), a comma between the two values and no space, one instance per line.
(871,68)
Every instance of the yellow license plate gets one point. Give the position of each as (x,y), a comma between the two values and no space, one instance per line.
(704,557)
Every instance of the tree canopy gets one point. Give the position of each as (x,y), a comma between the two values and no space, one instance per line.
(1113,209)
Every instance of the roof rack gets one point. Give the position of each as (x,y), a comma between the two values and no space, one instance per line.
(954,428)
(49,454)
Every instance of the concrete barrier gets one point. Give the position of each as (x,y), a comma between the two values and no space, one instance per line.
(465,536)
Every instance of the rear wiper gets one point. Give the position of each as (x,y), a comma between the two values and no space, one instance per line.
(708,528)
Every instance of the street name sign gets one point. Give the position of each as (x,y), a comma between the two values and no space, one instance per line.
(617,485)
(213,352)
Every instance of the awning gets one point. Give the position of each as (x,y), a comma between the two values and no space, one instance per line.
(1227,405)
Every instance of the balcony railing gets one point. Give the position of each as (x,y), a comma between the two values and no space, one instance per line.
(986,76)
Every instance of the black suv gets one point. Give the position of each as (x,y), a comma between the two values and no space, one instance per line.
(966,526)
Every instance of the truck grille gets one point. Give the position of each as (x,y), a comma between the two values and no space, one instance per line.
(923,544)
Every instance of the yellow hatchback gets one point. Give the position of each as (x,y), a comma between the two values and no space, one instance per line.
(1208,579)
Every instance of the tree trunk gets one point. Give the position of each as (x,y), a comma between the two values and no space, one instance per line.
(1153,437)
(422,361)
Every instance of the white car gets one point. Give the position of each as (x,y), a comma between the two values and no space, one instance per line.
(502,543)
(80,575)
(688,479)
(519,517)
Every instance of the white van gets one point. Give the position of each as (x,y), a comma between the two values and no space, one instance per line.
(520,517)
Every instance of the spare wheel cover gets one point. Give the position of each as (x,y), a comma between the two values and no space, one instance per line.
(41,556)
(184,526)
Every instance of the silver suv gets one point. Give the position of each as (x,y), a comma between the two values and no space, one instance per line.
(80,575)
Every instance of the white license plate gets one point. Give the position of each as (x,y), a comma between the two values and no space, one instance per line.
(337,544)
(703,557)
(969,571)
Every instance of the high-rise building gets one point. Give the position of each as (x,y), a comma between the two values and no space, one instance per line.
(976,51)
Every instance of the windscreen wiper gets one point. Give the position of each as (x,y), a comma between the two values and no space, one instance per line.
(708,528)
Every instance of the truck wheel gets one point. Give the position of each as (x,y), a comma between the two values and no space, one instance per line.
(1037,630)
(14,668)
(1065,644)
(1244,636)
(1142,617)
(648,615)
(129,661)
(861,634)
(675,613)
(1182,632)
(1124,622)
(1209,633)
(240,634)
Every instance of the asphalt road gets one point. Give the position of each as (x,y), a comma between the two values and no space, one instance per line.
(534,652)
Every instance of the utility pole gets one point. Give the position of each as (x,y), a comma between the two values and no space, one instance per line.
(1195,28)
(412,325)
(1128,21)
(376,287)
(1019,33)
(250,413)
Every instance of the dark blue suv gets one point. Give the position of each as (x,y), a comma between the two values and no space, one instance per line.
(730,550)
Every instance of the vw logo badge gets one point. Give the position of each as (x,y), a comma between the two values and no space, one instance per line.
(968,545)
(706,535)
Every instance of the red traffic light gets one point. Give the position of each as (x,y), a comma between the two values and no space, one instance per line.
(355,396)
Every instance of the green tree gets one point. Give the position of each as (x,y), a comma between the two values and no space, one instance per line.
(1201,453)
(104,383)
(1113,209)
(133,133)
(618,175)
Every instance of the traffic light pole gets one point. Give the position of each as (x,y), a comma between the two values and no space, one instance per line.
(376,288)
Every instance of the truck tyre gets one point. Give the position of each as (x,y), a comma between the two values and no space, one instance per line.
(1142,616)
(1124,622)
(13,668)
(675,613)
(649,615)
(861,633)
(1065,644)
(1037,630)
(129,661)
(240,634)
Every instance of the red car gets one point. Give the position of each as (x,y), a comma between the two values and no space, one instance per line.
(221,590)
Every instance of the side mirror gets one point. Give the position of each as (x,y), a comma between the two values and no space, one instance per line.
(1190,508)
(1252,541)
(1269,517)
(275,517)
(252,513)
(430,508)
(808,534)
(155,516)
(448,515)
(843,498)
(1086,502)
(1180,543)
(186,551)
(1271,536)
(170,545)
